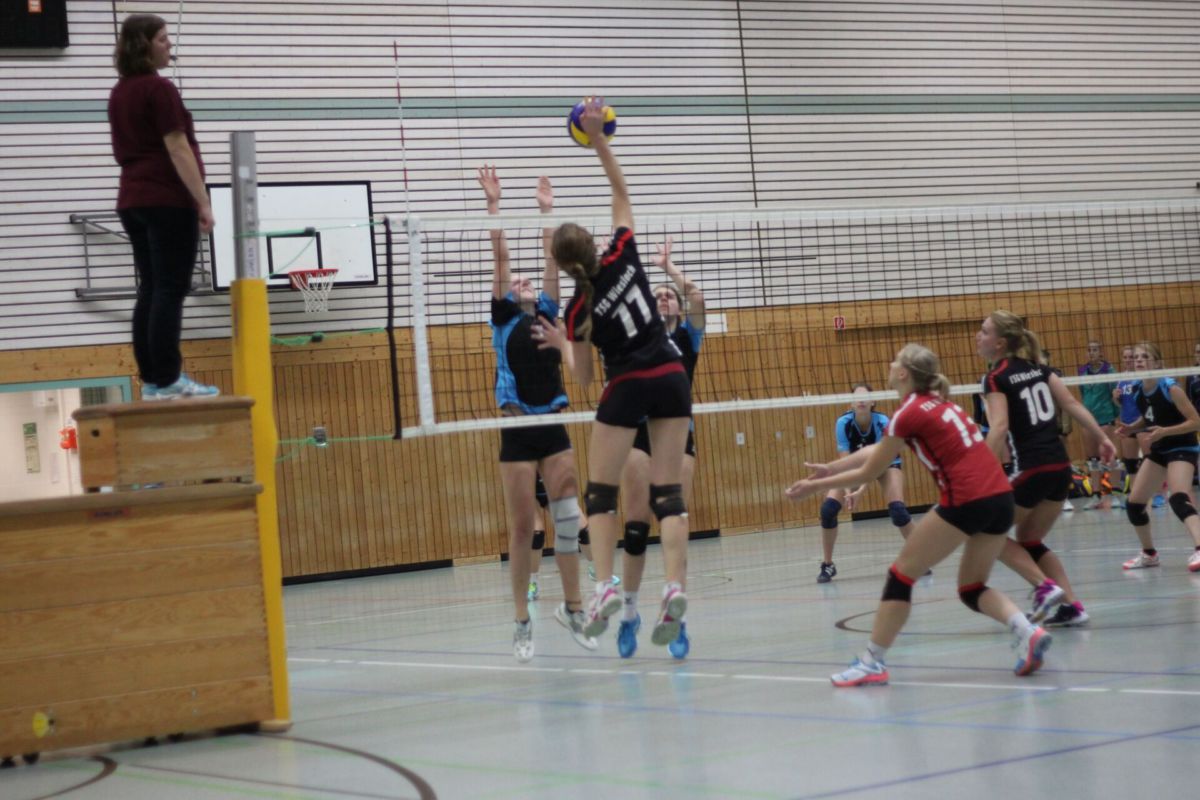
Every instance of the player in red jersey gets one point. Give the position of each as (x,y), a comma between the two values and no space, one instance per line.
(1023,397)
(975,510)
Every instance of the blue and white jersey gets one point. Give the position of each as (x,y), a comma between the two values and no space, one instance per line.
(1129,409)
(526,377)
(1159,410)
(851,438)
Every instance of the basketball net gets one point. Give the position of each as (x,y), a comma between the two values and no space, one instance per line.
(315,286)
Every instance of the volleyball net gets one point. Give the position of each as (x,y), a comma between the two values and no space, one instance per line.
(803,303)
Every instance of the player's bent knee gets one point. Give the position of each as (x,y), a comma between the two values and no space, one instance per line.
(601,498)
(1035,549)
(666,500)
(637,536)
(1137,513)
(1181,504)
(970,595)
(539,540)
(898,586)
(830,509)
(899,513)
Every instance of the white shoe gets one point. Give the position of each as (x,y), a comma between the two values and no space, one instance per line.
(1194,562)
(1142,561)
(670,617)
(1068,505)
(1030,645)
(604,604)
(523,641)
(573,621)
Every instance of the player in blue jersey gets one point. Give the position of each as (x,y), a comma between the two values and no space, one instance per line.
(1170,422)
(529,382)
(1127,446)
(860,427)
(613,308)
(681,305)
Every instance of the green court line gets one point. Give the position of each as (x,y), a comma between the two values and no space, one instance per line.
(241,109)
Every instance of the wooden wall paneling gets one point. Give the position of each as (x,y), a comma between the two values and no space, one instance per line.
(348,461)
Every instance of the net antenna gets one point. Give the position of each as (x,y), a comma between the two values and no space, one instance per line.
(315,285)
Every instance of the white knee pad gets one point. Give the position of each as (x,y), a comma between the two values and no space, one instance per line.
(566,524)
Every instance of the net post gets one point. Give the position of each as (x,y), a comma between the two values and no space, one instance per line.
(420,322)
(252,377)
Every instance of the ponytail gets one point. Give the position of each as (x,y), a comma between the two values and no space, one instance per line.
(575,252)
(924,370)
(1021,342)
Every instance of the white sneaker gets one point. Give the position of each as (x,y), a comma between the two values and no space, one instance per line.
(523,641)
(861,673)
(1045,597)
(1030,645)
(666,629)
(1143,561)
(1194,562)
(1068,505)
(604,604)
(184,387)
(573,621)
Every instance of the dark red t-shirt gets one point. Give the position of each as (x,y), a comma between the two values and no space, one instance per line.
(142,109)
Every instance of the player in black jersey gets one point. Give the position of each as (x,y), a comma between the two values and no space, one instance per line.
(529,382)
(1170,421)
(1023,397)
(686,329)
(613,308)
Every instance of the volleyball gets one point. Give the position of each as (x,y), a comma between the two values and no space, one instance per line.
(576,130)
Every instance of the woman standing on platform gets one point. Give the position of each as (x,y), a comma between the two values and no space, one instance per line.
(686,330)
(1170,422)
(162,201)
(613,308)
(860,427)
(975,511)
(1023,398)
(529,381)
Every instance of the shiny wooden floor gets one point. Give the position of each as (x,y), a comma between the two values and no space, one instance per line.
(405,687)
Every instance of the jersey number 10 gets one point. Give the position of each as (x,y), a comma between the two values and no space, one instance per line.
(1038,403)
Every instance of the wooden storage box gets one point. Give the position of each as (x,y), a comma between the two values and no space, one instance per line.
(167,441)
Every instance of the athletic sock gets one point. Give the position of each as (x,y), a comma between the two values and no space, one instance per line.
(630,612)
(1017,623)
(876,653)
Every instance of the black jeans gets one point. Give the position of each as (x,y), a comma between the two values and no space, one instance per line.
(164,252)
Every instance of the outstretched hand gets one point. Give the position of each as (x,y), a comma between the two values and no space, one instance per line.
(486,175)
(801,489)
(545,195)
(663,257)
(592,118)
(549,336)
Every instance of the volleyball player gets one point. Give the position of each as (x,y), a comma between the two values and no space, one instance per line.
(1097,398)
(860,427)
(613,308)
(975,510)
(1023,399)
(686,329)
(1123,396)
(529,381)
(1170,421)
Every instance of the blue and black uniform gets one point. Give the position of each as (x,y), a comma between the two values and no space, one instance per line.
(1158,409)
(528,379)
(1041,468)
(643,366)
(1129,410)
(688,339)
(851,438)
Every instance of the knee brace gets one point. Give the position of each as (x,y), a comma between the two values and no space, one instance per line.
(601,498)
(829,511)
(1131,465)
(539,492)
(637,536)
(584,538)
(970,595)
(566,524)
(666,500)
(1181,504)
(539,541)
(1035,549)
(1137,513)
(899,513)
(898,586)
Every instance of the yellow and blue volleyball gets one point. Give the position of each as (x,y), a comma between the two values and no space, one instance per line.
(576,130)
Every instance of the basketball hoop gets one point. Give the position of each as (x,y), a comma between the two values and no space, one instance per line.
(315,285)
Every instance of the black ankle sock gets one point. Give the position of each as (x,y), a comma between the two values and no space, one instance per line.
(1150,551)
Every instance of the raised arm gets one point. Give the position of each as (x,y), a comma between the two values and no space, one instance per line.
(491,190)
(592,122)
(690,292)
(545,200)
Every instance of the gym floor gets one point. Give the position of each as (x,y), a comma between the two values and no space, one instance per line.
(405,686)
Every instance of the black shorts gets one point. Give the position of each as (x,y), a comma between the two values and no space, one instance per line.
(661,392)
(1042,483)
(533,444)
(992,515)
(1171,456)
(641,441)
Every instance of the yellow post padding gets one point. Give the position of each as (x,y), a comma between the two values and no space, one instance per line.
(252,377)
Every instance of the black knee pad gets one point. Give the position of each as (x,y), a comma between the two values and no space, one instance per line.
(1131,465)
(829,512)
(970,595)
(1035,549)
(539,493)
(539,540)
(899,513)
(637,536)
(1181,504)
(601,498)
(1137,513)
(898,586)
(584,538)
(666,500)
